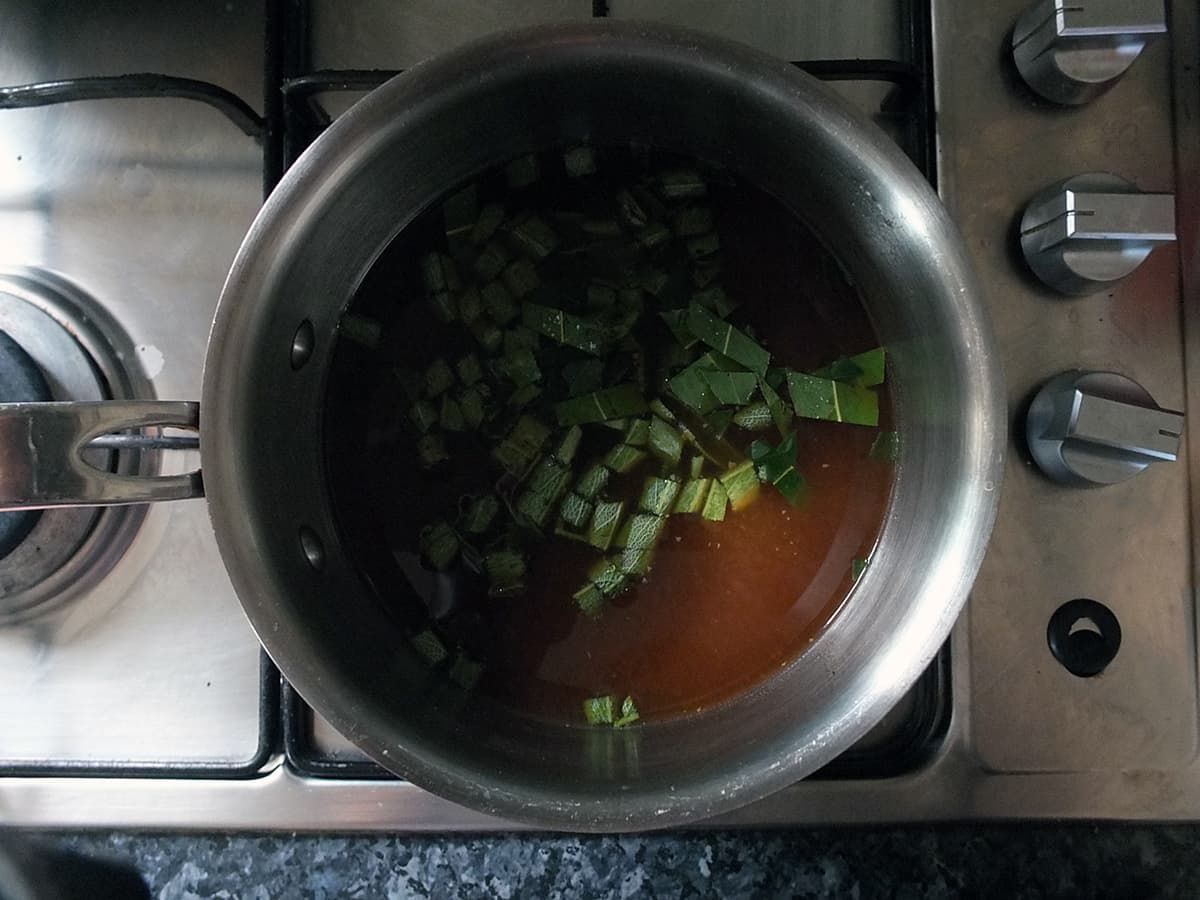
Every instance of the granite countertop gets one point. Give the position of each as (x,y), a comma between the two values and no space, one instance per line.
(1007,861)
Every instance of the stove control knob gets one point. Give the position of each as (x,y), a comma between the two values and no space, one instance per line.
(1087,232)
(1095,428)
(1071,51)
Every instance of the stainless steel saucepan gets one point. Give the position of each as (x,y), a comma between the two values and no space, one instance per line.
(264,396)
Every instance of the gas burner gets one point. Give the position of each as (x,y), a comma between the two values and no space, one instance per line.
(57,343)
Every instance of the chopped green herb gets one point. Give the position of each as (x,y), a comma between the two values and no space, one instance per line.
(730,388)
(432,275)
(857,567)
(505,571)
(468,369)
(601,296)
(629,714)
(535,237)
(584,334)
(423,415)
(452,417)
(777,466)
(696,466)
(521,445)
(607,577)
(635,562)
(468,305)
(692,220)
(706,272)
(575,511)
(471,404)
(592,481)
(704,246)
(862,370)
(653,235)
(718,421)
(630,210)
(487,333)
(361,330)
(590,600)
(491,261)
(676,322)
(727,340)
(521,368)
(641,531)
(464,671)
(599,406)
(599,710)
(637,432)
(741,485)
(499,302)
(440,545)
(520,338)
(681,184)
(781,413)
(601,227)
(821,398)
(524,395)
(429,647)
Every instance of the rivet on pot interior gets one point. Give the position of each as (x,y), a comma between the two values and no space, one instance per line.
(302,344)
(312,547)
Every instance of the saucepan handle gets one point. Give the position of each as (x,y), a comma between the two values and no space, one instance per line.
(42,446)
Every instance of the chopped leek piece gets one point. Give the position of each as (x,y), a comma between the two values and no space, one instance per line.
(605,519)
(429,646)
(521,368)
(696,466)
(452,417)
(499,302)
(691,498)
(629,714)
(730,388)
(599,710)
(480,514)
(634,561)
(464,671)
(821,398)
(714,297)
(704,246)
(521,278)
(470,402)
(590,600)
(592,481)
(781,413)
(431,450)
(522,171)
(459,212)
(777,466)
(658,494)
(579,161)
(608,578)
(653,235)
(569,445)
(524,395)
(432,274)
(505,571)
(715,503)
(681,184)
(535,237)
(468,305)
(575,511)
(741,485)
(574,331)
(857,567)
(642,530)
(490,218)
(692,220)
(520,338)
(886,446)
(726,339)
(487,333)
(624,458)
(637,432)
(601,296)
(361,330)
(423,415)
(521,445)
(630,210)
(754,417)
(599,406)
(862,370)
(583,376)
(440,545)
(439,377)
(491,261)
(665,442)
(468,369)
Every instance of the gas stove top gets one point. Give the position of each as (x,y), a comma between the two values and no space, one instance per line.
(136,694)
